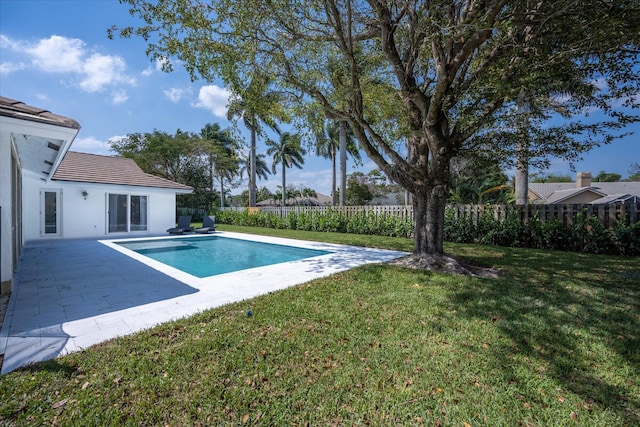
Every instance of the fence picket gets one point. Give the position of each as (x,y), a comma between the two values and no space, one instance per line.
(608,215)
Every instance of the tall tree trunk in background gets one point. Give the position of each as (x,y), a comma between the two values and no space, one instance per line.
(343,163)
(212,175)
(522,153)
(252,165)
(284,183)
(334,196)
(522,173)
(221,192)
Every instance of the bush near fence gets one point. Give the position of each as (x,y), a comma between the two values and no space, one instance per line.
(590,228)
(362,221)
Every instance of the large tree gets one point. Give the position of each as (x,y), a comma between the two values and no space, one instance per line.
(221,152)
(455,70)
(257,106)
(175,157)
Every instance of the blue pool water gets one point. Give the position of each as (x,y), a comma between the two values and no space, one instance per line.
(210,255)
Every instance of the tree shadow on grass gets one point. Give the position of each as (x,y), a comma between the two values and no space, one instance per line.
(567,313)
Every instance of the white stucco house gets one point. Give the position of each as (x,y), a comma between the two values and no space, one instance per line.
(48,191)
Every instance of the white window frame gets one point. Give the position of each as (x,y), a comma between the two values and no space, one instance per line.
(43,224)
(128,212)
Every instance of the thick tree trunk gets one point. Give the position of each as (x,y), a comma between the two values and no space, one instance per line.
(429,208)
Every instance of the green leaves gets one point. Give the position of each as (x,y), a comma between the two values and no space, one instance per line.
(442,77)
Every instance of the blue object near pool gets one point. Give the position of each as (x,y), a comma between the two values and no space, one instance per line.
(212,255)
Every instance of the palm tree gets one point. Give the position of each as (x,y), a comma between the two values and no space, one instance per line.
(262,170)
(308,193)
(245,107)
(327,146)
(221,151)
(288,153)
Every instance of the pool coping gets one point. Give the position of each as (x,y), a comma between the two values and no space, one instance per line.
(55,310)
(199,282)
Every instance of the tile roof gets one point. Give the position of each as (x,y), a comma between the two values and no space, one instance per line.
(560,195)
(20,110)
(94,168)
(555,192)
(614,198)
(319,200)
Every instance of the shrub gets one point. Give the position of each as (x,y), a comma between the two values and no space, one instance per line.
(587,234)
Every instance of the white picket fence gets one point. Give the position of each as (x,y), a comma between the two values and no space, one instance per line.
(608,215)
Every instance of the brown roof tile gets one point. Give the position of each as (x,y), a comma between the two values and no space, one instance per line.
(20,110)
(84,167)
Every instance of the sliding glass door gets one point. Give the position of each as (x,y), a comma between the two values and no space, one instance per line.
(138,215)
(127,213)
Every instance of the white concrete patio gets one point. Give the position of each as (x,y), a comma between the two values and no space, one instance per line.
(71,294)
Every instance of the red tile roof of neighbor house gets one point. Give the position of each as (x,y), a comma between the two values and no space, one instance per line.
(94,168)
(20,110)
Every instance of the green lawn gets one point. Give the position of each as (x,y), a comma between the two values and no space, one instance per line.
(554,341)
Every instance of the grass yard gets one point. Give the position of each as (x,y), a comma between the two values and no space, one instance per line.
(555,341)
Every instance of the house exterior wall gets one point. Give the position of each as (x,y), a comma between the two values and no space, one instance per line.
(12,230)
(582,198)
(6,251)
(532,196)
(88,218)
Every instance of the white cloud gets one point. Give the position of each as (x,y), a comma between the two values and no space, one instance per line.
(103,70)
(215,99)
(57,54)
(43,97)
(119,96)
(6,42)
(70,56)
(11,67)
(116,138)
(158,64)
(600,84)
(176,94)
(92,145)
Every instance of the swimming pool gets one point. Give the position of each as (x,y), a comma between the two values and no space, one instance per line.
(205,256)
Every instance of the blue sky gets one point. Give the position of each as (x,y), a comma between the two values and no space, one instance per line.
(56,55)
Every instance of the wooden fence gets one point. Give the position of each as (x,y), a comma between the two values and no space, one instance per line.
(608,215)
(396,210)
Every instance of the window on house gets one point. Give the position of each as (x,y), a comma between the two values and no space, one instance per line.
(138,216)
(127,213)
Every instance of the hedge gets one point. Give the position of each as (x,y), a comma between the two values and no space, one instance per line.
(586,235)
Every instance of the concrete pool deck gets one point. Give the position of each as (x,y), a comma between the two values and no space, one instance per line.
(72,294)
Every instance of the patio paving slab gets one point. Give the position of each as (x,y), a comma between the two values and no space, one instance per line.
(72,294)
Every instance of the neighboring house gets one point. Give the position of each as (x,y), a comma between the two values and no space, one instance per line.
(393,198)
(584,191)
(50,192)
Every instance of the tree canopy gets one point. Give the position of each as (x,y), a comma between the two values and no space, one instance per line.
(256,106)
(420,83)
